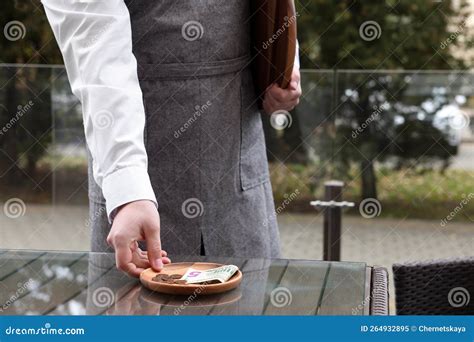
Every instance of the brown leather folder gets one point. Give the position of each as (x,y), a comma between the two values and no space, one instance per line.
(274,42)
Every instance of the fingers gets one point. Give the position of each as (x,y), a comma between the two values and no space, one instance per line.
(284,95)
(137,221)
(287,99)
(153,243)
(124,247)
(140,261)
(143,255)
(124,260)
(276,99)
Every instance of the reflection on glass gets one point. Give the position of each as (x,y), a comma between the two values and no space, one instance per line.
(55,283)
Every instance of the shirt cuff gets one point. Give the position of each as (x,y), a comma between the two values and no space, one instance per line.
(126,185)
(297,56)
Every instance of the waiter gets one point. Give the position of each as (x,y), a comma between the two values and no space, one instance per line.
(172,127)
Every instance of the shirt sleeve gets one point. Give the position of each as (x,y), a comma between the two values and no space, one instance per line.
(96,42)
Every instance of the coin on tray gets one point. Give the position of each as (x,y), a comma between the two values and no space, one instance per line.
(189,277)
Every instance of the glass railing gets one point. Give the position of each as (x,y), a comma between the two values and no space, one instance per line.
(372,129)
(405,138)
(41,139)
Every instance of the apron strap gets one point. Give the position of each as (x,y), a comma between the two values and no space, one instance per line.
(189,70)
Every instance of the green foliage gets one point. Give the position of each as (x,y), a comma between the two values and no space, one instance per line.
(28,135)
(38,44)
(405,34)
(403,193)
(411,36)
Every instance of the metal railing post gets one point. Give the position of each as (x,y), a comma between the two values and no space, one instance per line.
(332,208)
(332,222)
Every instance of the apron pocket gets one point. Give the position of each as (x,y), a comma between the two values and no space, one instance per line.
(253,157)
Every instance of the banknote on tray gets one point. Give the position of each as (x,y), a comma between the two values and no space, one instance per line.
(219,274)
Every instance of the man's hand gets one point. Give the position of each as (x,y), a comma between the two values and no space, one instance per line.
(137,221)
(277,98)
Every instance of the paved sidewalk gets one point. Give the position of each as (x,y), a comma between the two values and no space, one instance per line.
(463,160)
(378,241)
(47,228)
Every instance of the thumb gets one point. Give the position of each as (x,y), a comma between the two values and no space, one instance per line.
(153,244)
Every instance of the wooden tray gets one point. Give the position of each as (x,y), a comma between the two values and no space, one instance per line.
(209,300)
(188,289)
(273,61)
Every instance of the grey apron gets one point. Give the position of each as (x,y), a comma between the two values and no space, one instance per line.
(204,137)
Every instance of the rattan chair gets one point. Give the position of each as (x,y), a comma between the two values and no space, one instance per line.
(437,287)
(379,292)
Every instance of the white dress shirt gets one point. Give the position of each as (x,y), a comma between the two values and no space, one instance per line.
(95,39)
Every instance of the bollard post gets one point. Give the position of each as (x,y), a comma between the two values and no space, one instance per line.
(332,208)
(332,221)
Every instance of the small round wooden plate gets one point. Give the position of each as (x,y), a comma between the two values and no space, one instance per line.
(188,289)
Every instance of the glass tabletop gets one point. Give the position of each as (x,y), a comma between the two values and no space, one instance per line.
(75,283)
